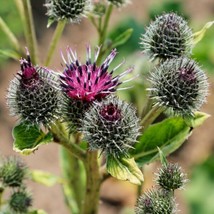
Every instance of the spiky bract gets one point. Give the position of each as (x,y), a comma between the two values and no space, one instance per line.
(83,84)
(171,177)
(168,36)
(68,10)
(155,202)
(20,201)
(111,126)
(34,94)
(180,85)
(12,172)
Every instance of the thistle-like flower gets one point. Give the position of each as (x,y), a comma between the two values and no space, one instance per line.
(71,11)
(12,172)
(34,94)
(85,83)
(171,177)
(168,36)
(180,85)
(20,201)
(111,126)
(156,202)
(119,3)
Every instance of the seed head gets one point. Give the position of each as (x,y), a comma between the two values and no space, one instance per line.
(20,201)
(180,85)
(12,172)
(72,11)
(34,94)
(167,37)
(171,177)
(83,84)
(155,202)
(111,125)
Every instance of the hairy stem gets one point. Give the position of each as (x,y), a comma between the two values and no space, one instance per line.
(60,137)
(93,181)
(10,36)
(74,174)
(29,29)
(151,116)
(103,32)
(56,36)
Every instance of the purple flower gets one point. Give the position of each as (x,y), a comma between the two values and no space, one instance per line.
(89,82)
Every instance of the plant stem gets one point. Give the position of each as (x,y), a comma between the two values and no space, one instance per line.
(10,36)
(56,36)
(29,29)
(73,172)
(151,116)
(93,181)
(103,32)
(60,138)
(1,194)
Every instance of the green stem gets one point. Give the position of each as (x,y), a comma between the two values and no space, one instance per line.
(73,172)
(103,32)
(1,195)
(151,116)
(29,30)
(91,18)
(57,35)
(60,138)
(10,36)
(93,181)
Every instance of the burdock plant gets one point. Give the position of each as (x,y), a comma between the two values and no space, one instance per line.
(102,133)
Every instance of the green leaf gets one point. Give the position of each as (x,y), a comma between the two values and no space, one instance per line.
(124,169)
(10,53)
(27,138)
(168,135)
(163,159)
(45,178)
(198,36)
(122,38)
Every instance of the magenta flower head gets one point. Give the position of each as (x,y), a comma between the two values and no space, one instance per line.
(34,94)
(83,84)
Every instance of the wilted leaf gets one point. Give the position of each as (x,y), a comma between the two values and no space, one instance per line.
(124,169)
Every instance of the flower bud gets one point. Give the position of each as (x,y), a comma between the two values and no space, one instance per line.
(111,126)
(12,172)
(171,177)
(99,9)
(20,201)
(168,36)
(155,202)
(119,3)
(180,85)
(83,84)
(71,11)
(34,94)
